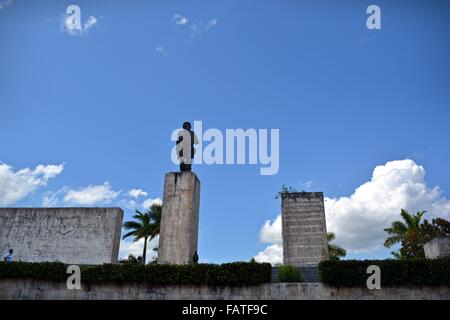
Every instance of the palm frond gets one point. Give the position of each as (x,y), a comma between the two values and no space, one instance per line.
(397,255)
(131,225)
(409,219)
(331,236)
(392,240)
(418,217)
(335,252)
(129,234)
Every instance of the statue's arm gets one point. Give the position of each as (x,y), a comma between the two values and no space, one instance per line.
(180,136)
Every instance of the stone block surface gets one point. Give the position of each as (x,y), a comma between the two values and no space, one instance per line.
(27,289)
(179,219)
(304,229)
(68,235)
(437,248)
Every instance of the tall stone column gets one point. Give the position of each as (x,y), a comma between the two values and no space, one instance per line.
(304,230)
(179,218)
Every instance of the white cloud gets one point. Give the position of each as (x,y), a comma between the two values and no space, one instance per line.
(133,204)
(161,50)
(128,247)
(91,195)
(135,193)
(271,232)
(179,19)
(15,186)
(5,4)
(98,195)
(308,184)
(198,29)
(211,23)
(149,202)
(359,220)
(52,199)
(272,254)
(90,22)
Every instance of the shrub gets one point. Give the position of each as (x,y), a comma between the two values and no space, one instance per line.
(409,272)
(289,274)
(228,274)
(53,271)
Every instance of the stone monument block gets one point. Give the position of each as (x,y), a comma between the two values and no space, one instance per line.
(437,248)
(68,235)
(304,229)
(179,218)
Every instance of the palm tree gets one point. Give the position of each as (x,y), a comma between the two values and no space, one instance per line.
(397,255)
(400,229)
(146,226)
(334,251)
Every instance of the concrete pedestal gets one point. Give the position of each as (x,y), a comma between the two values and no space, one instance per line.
(304,229)
(179,219)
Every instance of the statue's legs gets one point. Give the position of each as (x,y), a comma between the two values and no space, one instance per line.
(185,167)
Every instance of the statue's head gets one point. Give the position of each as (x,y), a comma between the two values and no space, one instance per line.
(187,126)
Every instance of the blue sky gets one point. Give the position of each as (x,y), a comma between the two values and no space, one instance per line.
(345,99)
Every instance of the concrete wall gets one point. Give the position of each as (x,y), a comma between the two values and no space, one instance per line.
(304,229)
(179,218)
(39,290)
(436,248)
(69,235)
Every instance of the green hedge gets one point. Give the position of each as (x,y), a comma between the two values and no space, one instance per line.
(352,273)
(53,271)
(289,274)
(228,274)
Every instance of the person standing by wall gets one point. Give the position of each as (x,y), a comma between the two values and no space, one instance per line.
(8,258)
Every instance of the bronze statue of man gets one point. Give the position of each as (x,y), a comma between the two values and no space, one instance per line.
(185,146)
